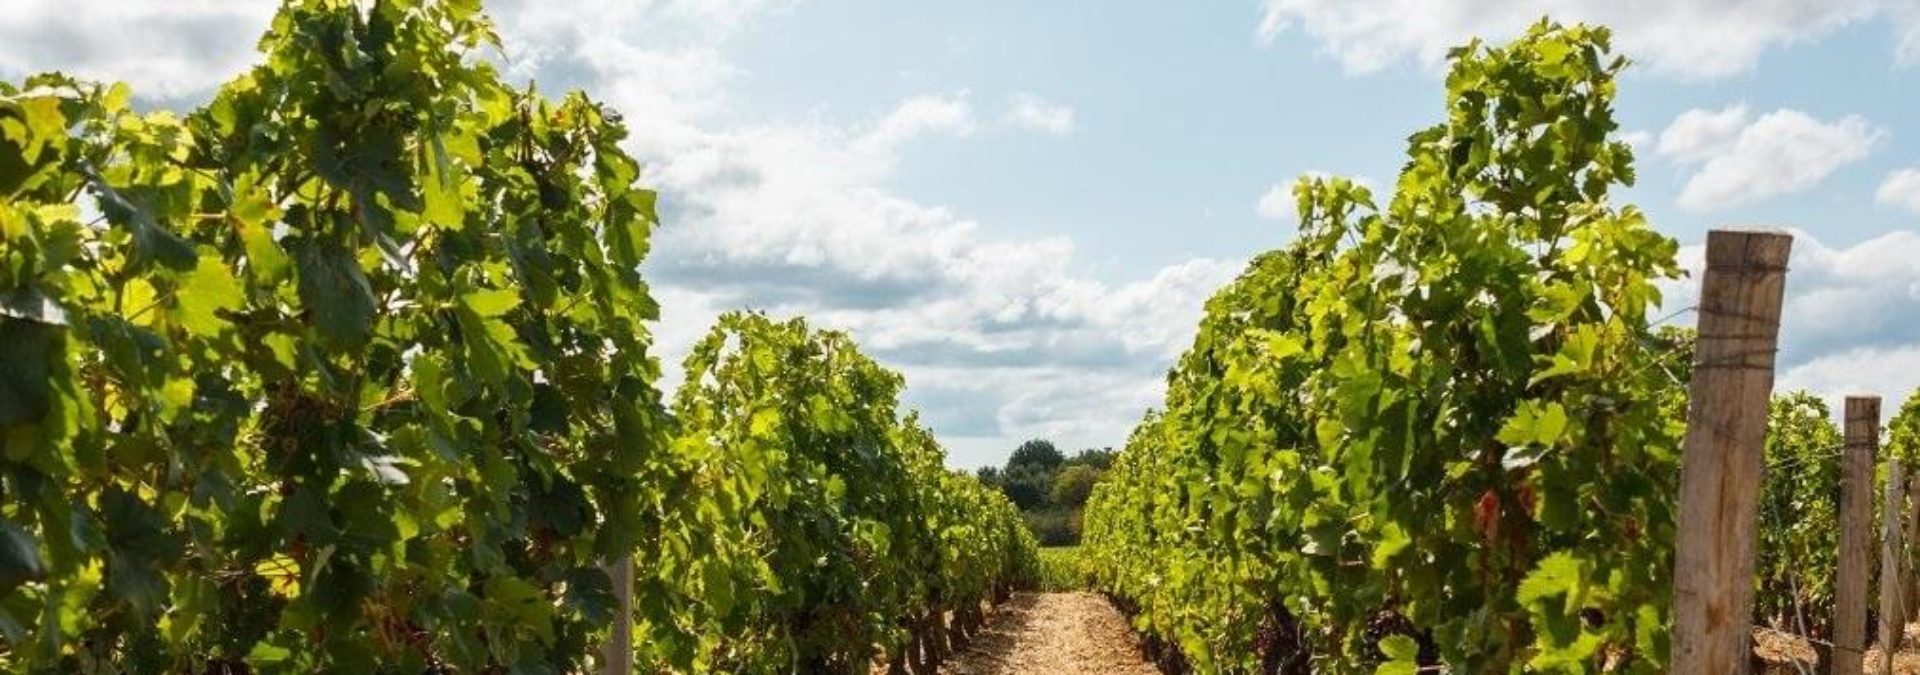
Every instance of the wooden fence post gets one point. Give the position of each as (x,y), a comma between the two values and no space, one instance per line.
(1723,456)
(1908,583)
(1852,571)
(618,653)
(1892,610)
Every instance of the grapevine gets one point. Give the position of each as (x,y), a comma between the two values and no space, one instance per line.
(346,378)
(832,527)
(1434,434)
(1799,517)
(351,370)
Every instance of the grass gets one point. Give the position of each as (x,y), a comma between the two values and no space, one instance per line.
(1060,569)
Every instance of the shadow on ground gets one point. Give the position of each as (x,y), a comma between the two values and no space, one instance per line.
(992,650)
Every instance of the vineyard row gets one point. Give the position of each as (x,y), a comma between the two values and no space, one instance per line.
(350,370)
(1448,432)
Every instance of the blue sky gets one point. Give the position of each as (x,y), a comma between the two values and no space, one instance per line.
(1021,205)
(1181,111)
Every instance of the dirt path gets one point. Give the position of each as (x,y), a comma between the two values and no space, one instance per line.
(1788,655)
(1053,634)
(1082,634)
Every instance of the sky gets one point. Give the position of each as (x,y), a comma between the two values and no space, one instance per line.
(1022,205)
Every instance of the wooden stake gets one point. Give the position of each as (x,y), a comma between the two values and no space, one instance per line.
(1911,589)
(618,653)
(1722,458)
(1853,572)
(1892,612)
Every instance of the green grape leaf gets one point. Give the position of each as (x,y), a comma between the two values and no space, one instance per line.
(1558,575)
(209,288)
(1402,654)
(335,292)
(28,350)
(131,208)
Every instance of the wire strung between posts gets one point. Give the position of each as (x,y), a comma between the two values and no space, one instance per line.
(1775,517)
(1660,360)
(1673,315)
(1823,453)
(1777,520)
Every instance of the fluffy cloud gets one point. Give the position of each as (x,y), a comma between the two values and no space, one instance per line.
(1741,159)
(1690,38)
(1851,316)
(660,61)
(173,49)
(1032,113)
(922,115)
(1891,373)
(1864,296)
(1276,203)
(1639,139)
(1000,339)
(1900,189)
(792,219)
(1698,135)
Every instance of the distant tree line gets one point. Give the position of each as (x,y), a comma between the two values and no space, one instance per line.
(1050,488)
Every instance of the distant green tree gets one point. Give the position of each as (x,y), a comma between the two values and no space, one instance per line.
(1073,484)
(1098,459)
(1028,487)
(1037,453)
(1049,487)
(1027,479)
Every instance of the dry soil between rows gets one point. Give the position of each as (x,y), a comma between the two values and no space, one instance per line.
(1053,634)
(1789,655)
(1082,634)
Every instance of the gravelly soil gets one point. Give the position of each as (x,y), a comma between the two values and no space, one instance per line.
(1082,634)
(1788,655)
(1053,634)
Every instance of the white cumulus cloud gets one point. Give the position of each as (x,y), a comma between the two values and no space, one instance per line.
(920,116)
(173,49)
(1689,38)
(1891,373)
(1699,134)
(1276,203)
(1737,159)
(1032,113)
(1850,322)
(1001,338)
(1900,189)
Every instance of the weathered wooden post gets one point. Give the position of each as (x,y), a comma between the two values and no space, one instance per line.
(1911,596)
(1853,572)
(618,652)
(1722,457)
(1892,611)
